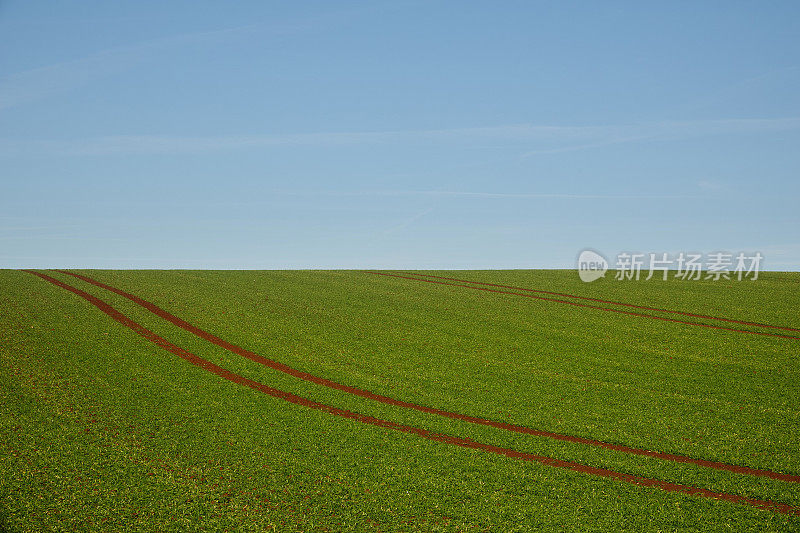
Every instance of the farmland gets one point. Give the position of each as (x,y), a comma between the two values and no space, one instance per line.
(384,401)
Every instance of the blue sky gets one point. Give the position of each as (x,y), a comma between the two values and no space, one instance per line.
(400,134)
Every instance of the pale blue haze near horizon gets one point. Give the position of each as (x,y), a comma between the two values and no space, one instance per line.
(403,134)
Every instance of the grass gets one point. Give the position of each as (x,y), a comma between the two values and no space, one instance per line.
(101,429)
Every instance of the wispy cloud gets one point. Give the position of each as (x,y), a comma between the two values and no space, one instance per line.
(546,138)
(158,144)
(754,88)
(710,185)
(405,223)
(25,86)
(29,85)
(677,130)
(496,195)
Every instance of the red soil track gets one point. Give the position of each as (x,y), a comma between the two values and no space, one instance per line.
(588,306)
(660,310)
(430,410)
(767,505)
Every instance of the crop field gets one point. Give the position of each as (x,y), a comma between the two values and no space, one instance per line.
(514,400)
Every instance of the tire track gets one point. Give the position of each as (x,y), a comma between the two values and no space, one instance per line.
(275,365)
(599,300)
(587,306)
(767,505)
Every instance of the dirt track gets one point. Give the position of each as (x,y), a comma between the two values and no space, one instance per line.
(588,306)
(457,441)
(599,300)
(744,470)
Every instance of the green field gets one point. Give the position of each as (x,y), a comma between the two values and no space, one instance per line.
(102,429)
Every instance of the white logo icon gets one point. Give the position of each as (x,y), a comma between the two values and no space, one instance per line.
(591,266)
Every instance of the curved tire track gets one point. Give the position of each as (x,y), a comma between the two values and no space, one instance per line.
(599,300)
(587,306)
(776,507)
(275,365)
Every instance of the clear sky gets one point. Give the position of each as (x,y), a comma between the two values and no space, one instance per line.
(397,134)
